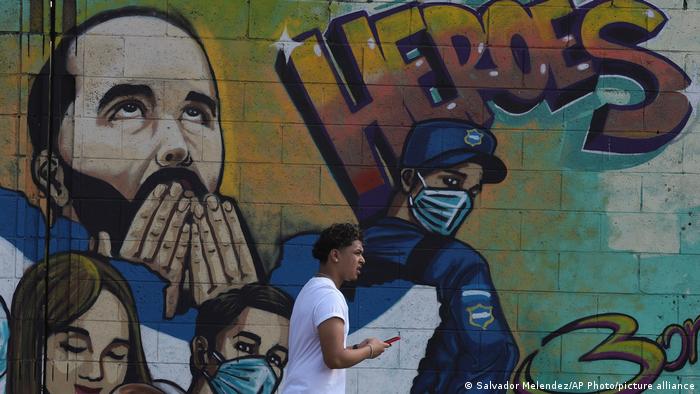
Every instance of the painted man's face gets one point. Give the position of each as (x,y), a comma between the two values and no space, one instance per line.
(145,112)
(142,104)
(440,200)
(257,333)
(90,354)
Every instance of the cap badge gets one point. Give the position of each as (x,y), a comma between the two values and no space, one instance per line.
(473,137)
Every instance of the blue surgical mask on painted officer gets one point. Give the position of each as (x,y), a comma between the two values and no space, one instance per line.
(243,375)
(440,210)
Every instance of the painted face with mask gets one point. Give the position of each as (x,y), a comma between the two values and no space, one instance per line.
(445,197)
(244,375)
(246,357)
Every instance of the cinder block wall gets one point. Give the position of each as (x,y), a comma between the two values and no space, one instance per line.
(298,114)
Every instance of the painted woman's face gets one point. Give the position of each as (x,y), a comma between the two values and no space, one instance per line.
(90,355)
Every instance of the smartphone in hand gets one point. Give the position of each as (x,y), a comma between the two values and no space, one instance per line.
(392,340)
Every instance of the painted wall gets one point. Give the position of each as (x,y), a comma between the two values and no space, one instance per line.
(526,175)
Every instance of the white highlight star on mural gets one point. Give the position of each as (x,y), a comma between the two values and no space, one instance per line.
(286,44)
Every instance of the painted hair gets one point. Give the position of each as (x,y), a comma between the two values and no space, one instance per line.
(50,296)
(223,311)
(61,88)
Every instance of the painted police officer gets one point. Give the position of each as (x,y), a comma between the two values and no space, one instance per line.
(443,167)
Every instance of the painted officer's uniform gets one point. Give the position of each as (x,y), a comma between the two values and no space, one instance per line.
(472,342)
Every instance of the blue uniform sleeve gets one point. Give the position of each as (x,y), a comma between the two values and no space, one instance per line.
(473,342)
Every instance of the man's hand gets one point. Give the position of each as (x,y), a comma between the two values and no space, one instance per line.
(363,343)
(220,258)
(378,346)
(159,238)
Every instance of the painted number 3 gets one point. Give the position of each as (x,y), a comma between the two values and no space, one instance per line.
(621,344)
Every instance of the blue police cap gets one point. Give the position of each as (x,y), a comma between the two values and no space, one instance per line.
(446,143)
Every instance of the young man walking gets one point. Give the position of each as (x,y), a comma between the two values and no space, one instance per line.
(318,353)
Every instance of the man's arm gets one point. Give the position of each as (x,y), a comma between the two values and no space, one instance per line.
(331,333)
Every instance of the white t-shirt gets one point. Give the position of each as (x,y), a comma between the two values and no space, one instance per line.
(306,372)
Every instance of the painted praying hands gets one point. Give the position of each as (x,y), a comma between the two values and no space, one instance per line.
(195,245)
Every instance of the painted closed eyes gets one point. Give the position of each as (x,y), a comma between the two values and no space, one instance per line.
(72,348)
(118,353)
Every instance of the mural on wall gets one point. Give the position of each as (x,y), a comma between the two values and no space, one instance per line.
(90,327)
(157,209)
(414,63)
(416,84)
(141,246)
(443,167)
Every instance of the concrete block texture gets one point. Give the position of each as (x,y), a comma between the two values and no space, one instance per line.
(525,177)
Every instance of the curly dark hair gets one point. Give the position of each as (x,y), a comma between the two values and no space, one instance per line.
(338,235)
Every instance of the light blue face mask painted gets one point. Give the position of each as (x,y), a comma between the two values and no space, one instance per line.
(440,211)
(244,375)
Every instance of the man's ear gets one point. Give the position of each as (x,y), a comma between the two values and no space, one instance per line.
(50,178)
(334,255)
(407,179)
(200,352)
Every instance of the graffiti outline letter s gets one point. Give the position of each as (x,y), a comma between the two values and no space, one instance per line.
(611,35)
